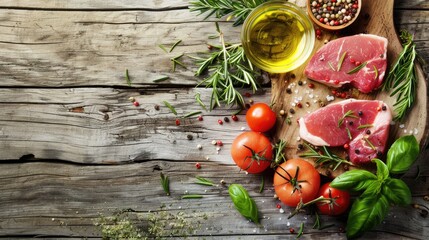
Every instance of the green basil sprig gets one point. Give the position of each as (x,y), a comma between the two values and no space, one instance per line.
(402,154)
(379,191)
(243,202)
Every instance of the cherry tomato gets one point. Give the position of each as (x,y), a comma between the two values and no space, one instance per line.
(296,180)
(340,200)
(260,117)
(252,152)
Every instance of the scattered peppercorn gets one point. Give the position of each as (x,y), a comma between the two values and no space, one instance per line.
(368,131)
(136,103)
(426,198)
(189,137)
(278,206)
(247,105)
(226,119)
(299,105)
(311,85)
(210,47)
(220,122)
(222,182)
(131,99)
(251,101)
(291,230)
(247,94)
(282,112)
(384,108)
(292,111)
(300,146)
(379,154)
(345,167)
(351,123)
(219,143)
(177,122)
(289,91)
(156,107)
(357,151)
(300,83)
(292,75)
(346,146)
(198,165)
(200,118)
(234,117)
(360,113)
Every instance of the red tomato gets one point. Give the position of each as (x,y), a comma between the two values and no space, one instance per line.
(296,180)
(340,200)
(260,117)
(252,151)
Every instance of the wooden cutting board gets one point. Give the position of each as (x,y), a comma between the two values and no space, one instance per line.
(376,17)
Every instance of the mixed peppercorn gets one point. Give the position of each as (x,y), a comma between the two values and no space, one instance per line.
(334,12)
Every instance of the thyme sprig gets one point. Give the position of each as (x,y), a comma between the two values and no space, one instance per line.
(238,9)
(324,157)
(402,77)
(227,68)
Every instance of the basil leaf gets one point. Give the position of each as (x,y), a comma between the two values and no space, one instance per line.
(243,202)
(354,180)
(373,188)
(382,170)
(396,191)
(402,154)
(365,214)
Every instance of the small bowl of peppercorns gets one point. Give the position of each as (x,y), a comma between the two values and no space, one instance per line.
(333,14)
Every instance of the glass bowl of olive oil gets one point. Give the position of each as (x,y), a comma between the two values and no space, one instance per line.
(278,36)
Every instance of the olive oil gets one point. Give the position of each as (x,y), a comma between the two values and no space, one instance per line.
(278,37)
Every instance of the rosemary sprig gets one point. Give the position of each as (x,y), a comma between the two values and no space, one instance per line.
(340,63)
(165,184)
(163,48)
(261,187)
(227,68)
(350,114)
(161,79)
(172,109)
(349,134)
(191,196)
(204,181)
(331,66)
(175,61)
(402,77)
(369,143)
(235,9)
(199,101)
(301,231)
(127,78)
(324,157)
(191,114)
(365,126)
(175,45)
(279,156)
(376,72)
(356,69)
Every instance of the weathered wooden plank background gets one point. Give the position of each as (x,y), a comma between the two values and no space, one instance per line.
(72,145)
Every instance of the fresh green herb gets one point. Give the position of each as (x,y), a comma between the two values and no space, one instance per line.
(175,61)
(402,154)
(402,77)
(340,63)
(380,191)
(365,126)
(288,120)
(376,72)
(261,187)
(204,181)
(301,231)
(350,114)
(316,224)
(163,48)
(236,9)
(198,99)
(161,79)
(192,196)
(175,45)
(172,109)
(279,155)
(243,202)
(165,184)
(127,78)
(356,69)
(331,66)
(349,133)
(192,114)
(227,67)
(369,143)
(324,157)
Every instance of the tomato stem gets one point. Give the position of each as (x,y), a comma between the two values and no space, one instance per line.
(302,205)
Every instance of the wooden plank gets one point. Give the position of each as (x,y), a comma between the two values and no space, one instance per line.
(57,199)
(100,125)
(64,48)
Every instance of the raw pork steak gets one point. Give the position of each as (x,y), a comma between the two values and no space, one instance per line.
(326,67)
(361,126)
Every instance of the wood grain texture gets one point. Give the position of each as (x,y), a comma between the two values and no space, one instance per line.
(72,146)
